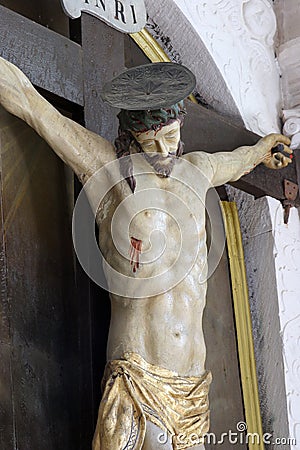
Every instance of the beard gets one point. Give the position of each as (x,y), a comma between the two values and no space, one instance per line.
(163,166)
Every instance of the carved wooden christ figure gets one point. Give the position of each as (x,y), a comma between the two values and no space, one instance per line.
(155,381)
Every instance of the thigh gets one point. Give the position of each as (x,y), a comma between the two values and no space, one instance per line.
(157,439)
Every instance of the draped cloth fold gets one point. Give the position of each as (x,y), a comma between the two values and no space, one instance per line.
(136,391)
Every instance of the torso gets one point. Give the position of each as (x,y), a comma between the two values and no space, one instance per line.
(165,326)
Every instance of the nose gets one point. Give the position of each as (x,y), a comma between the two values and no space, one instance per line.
(162,148)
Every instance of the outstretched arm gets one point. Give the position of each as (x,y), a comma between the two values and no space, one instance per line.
(84,151)
(230,166)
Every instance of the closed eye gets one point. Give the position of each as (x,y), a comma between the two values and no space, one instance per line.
(148,143)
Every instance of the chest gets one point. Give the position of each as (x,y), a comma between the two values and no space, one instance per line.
(162,213)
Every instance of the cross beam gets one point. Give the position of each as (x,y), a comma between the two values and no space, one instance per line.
(211,132)
(70,74)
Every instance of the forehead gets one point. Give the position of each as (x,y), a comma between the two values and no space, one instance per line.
(152,134)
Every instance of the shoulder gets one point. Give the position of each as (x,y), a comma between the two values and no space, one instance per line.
(199,159)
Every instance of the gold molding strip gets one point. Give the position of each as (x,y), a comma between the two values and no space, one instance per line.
(152,49)
(149,46)
(243,324)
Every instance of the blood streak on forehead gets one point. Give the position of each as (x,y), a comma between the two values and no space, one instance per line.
(153,132)
(142,121)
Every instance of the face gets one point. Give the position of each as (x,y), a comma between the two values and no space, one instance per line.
(162,142)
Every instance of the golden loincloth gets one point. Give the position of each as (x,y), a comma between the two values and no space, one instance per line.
(136,391)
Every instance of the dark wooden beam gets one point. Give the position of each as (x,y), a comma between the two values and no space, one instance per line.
(51,61)
(55,63)
(103,59)
(208,131)
(297,163)
(39,341)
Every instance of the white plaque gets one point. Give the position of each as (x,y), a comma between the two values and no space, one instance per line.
(128,16)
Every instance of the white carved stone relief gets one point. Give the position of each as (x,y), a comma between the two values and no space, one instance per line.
(260,21)
(288,57)
(291,128)
(287,258)
(239,35)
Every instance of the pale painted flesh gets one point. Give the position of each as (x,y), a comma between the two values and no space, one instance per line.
(164,329)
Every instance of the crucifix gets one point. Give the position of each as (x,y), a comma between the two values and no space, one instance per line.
(148,389)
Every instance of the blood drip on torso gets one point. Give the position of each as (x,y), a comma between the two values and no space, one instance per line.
(135,251)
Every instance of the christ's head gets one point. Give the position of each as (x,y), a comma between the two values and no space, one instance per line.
(155,134)
(163,142)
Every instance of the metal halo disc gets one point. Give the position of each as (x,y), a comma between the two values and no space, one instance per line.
(148,87)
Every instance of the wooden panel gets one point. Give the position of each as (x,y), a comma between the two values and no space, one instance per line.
(103,59)
(297,163)
(6,403)
(48,13)
(226,402)
(133,54)
(263,181)
(7,426)
(51,61)
(4,302)
(42,402)
(206,130)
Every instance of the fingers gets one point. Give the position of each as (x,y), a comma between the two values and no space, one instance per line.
(287,149)
(280,161)
(287,159)
(284,149)
(276,138)
(283,154)
(284,139)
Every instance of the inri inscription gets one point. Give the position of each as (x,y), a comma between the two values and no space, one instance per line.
(128,16)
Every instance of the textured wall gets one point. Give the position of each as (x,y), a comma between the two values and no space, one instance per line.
(183,44)
(287,263)
(288,51)
(256,227)
(239,35)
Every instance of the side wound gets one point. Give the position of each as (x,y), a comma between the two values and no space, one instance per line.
(135,251)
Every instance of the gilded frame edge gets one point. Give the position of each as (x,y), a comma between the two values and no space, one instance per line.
(243,322)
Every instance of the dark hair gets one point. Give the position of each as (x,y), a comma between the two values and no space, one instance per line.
(122,145)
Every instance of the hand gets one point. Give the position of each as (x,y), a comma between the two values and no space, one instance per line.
(15,88)
(275,160)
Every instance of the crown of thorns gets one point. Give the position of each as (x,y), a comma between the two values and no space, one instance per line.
(140,121)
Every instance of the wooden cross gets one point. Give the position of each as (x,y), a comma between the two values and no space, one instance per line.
(53,319)
(77,72)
